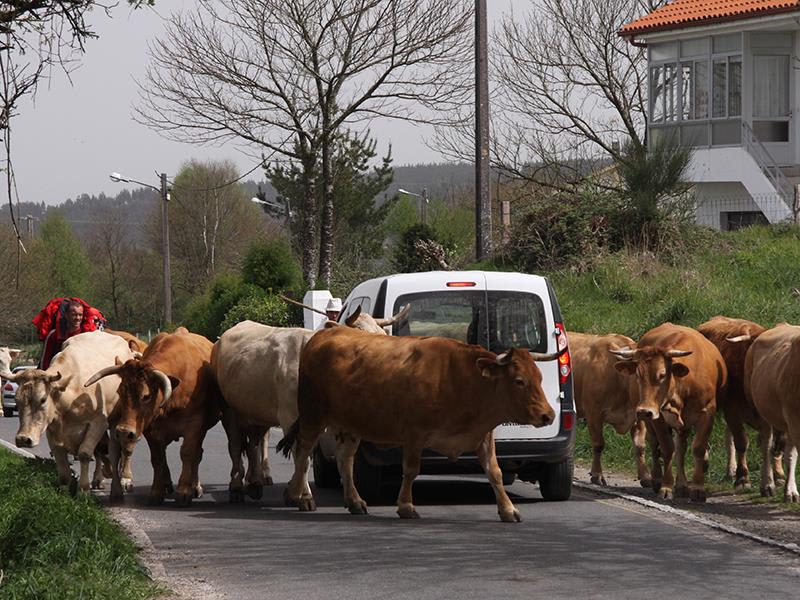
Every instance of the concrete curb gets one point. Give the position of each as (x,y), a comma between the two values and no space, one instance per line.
(15,450)
(690,516)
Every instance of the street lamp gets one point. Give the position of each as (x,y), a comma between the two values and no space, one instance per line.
(423,206)
(164,192)
(285,209)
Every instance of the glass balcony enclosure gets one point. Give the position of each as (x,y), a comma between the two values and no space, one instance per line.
(702,88)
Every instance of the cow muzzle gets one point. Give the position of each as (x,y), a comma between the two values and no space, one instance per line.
(126,435)
(24,441)
(646,413)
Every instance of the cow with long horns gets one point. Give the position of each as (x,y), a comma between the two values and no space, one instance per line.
(413,392)
(258,398)
(74,417)
(679,375)
(167,394)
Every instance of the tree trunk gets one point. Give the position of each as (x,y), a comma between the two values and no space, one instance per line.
(326,229)
(308,235)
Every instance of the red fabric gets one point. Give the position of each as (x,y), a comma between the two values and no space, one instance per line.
(52,317)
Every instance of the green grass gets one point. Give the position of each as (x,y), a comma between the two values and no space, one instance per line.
(56,546)
(750,274)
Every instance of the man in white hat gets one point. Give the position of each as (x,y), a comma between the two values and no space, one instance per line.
(333,309)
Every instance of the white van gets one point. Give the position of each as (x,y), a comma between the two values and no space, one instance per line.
(497,310)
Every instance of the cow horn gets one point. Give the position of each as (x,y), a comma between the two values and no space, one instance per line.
(503,359)
(739,338)
(351,320)
(625,352)
(165,383)
(53,378)
(105,372)
(678,353)
(394,319)
(543,357)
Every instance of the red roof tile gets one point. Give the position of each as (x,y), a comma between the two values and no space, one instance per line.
(689,13)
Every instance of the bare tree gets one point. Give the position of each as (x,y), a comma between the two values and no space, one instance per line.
(284,76)
(569,90)
(211,223)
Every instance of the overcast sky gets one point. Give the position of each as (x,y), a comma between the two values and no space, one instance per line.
(69,140)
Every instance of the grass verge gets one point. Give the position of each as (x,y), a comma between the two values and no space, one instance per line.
(53,546)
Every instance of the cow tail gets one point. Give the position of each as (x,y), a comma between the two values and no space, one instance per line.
(289,439)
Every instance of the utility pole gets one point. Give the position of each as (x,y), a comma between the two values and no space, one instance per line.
(424,206)
(483,203)
(165,249)
(29,223)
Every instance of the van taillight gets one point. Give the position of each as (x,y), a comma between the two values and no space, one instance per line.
(460,284)
(8,387)
(564,361)
(567,420)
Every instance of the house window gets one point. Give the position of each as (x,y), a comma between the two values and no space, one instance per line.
(770,86)
(698,82)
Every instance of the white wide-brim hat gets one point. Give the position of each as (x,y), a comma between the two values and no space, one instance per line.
(334,304)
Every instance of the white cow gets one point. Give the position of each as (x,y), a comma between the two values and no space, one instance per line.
(6,356)
(74,417)
(256,367)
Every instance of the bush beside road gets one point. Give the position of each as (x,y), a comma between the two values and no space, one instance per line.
(56,546)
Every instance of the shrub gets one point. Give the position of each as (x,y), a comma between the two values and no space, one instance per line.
(560,230)
(411,256)
(205,315)
(267,309)
(270,265)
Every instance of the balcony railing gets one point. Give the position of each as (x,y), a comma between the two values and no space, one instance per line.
(767,164)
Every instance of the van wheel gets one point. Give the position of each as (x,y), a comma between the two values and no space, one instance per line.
(8,412)
(367,478)
(555,482)
(326,474)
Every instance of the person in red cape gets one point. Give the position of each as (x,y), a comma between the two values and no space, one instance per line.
(60,320)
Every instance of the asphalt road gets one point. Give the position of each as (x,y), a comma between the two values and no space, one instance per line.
(588,547)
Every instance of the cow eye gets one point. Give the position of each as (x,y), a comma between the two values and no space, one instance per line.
(520,382)
(42,401)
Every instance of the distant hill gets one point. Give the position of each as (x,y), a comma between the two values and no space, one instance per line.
(441,181)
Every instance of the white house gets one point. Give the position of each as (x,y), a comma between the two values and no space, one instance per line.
(723,78)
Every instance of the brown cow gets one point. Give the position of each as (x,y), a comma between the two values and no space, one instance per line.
(412,392)
(167,394)
(772,383)
(679,375)
(733,338)
(605,395)
(134,343)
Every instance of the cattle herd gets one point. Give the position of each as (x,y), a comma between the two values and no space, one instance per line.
(673,381)
(105,390)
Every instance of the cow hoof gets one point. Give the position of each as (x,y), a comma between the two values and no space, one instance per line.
(97,484)
(646,483)
(255,490)
(169,489)
(155,500)
(780,482)
(408,512)
(697,494)
(182,499)
(741,484)
(768,491)
(656,485)
(792,497)
(127,485)
(307,504)
(236,496)
(511,516)
(268,481)
(360,508)
(598,480)
(665,493)
(681,491)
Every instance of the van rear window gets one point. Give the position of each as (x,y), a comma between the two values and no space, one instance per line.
(497,320)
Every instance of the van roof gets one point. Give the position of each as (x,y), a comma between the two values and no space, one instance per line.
(450,275)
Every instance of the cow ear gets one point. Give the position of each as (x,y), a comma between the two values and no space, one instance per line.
(13,352)
(488,368)
(628,367)
(174,381)
(679,370)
